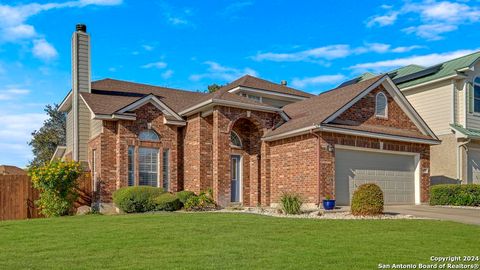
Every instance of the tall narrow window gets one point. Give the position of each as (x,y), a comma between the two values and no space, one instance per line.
(476,95)
(131,166)
(94,171)
(148,166)
(166,169)
(381,105)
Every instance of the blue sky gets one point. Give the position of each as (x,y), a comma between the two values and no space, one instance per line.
(314,45)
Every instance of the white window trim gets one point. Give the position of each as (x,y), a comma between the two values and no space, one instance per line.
(475,83)
(385,116)
(159,169)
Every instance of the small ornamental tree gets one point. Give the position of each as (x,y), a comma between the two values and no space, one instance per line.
(57,183)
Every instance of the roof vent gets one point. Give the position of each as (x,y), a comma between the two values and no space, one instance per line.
(283,82)
(81,28)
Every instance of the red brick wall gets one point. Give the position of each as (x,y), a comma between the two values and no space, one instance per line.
(224,120)
(364,112)
(293,163)
(112,149)
(294,167)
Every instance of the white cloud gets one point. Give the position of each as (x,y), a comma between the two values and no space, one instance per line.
(431,18)
(14,26)
(167,74)
(15,133)
(159,65)
(13,93)
(224,73)
(430,31)
(423,60)
(331,52)
(318,80)
(177,20)
(44,50)
(382,20)
(148,47)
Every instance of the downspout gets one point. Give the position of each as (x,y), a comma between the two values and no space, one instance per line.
(460,158)
(318,164)
(454,104)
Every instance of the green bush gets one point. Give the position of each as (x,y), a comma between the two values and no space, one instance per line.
(367,200)
(291,203)
(136,199)
(202,202)
(184,195)
(167,202)
(459,195)
(57,183)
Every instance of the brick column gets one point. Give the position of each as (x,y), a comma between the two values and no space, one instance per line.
(265,181)
(254,180)
(221,157)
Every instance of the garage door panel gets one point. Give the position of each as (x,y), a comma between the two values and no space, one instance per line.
(393,173)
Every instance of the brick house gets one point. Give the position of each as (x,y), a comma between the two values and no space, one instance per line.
(250,141)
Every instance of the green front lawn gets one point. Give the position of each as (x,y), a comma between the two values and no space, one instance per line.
(226,241)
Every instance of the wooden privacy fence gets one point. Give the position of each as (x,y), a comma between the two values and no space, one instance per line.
(17,196)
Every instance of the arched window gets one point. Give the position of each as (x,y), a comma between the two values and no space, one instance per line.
(149,135)
(381,105)
(235,139)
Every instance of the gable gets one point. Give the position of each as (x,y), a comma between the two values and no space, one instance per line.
(363,113)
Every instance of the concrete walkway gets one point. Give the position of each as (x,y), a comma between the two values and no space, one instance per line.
(463,215)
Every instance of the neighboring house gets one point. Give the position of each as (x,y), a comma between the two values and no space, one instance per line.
(447,96)
(250,142)
(11,170)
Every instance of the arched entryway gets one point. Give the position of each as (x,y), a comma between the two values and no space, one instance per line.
(245,146)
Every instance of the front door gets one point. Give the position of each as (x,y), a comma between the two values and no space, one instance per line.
(235,185)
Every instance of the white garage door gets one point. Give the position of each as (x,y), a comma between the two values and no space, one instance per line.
(394,173)
(473,169)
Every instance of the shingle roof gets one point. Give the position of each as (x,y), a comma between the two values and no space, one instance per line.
(257,83)
(469,132)
(174,98)
(444,69)
(107,104)
(315,110)
(404,71)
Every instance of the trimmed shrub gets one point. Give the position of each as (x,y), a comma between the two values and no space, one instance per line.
(184,195)
(458,195)
(57,183)
(202,202)
(136,199)
(367,200)
(291,203)
(167,202)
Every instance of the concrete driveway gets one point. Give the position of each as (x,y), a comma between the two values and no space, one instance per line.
(463,215)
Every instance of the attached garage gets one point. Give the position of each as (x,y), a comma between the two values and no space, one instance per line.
(395,172)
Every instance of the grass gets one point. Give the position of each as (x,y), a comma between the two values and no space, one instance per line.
(226,241)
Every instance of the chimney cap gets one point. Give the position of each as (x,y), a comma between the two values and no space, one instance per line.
(81,27)
(283,82)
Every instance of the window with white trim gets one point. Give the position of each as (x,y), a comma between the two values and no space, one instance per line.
(149,135)
(254,97)
(476,95)
(381,105)
(131,166)
(148,166)
(166,169)
(235,140)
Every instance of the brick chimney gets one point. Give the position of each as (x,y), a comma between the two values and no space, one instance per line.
(81,76)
